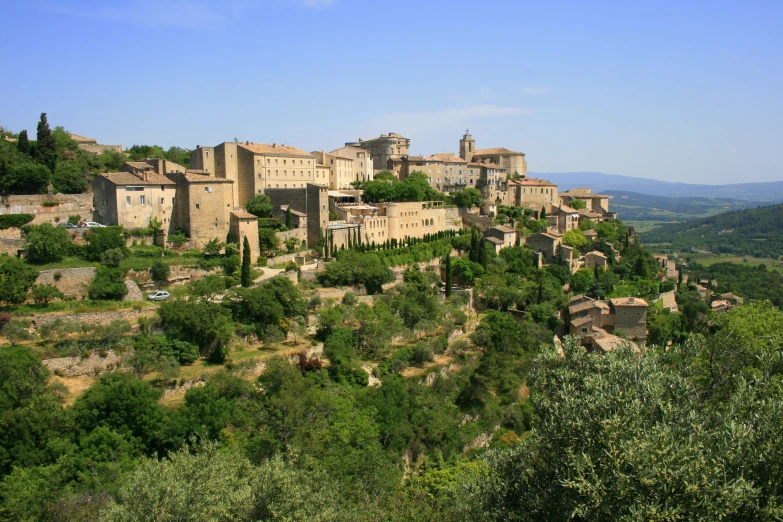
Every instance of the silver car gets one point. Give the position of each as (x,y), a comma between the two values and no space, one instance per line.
(160,295)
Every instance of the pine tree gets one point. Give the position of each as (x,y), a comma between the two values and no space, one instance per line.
(245,274)
(23,143)
(447,266)
(46,148)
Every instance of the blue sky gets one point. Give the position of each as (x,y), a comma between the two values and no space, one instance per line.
(680,91)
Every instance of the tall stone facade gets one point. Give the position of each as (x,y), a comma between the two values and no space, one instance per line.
(312,200)
(383,148)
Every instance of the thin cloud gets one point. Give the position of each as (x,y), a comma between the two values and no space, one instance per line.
(447,118)
(487,93)
(533,90)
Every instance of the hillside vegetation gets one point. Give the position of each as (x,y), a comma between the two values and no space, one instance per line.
(757,232)
(633,206)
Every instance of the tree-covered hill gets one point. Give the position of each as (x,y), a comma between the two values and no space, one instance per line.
(757,232)
(634,206)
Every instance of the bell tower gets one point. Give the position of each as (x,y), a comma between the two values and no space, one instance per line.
(467,146)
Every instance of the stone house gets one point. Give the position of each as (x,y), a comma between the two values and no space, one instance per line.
(512,162)
(312,202)
(564,218)
(204,205)
(597,203)
(92,145)
(545,242)
(532,193)
(133,200)
(630,316)
(506,235)
(590,318)
(595,258)
(362,161)
(341,172)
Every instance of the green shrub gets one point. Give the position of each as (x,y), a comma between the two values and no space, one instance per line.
(108,284)
(147,251)
(14,220)
(49,204)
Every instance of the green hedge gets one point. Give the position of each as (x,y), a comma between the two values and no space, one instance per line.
(14,220)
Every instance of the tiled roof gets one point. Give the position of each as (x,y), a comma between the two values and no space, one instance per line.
(449,157)
(582,193)
(197,177)
(263,148)
(628,301)
(528,182)
(140,165)
(494,240)
(579,321)
(243,214)
(596,253)
(565,208)
(487,165)
(581,307)
(126,178)
(504,229)
(502,151)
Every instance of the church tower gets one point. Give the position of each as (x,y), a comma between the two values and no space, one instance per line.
(467,146)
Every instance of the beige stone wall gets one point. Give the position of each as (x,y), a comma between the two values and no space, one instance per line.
(100,148)
(383,148)
(534,197)
(72,282)
(299,233)
(151,202)
(96,317)
(227,166)
(70,204)
(362,161)
(203,158)
(209,204)
(283,171)
(414,219)
(244,227)
(631,321)
(12,246)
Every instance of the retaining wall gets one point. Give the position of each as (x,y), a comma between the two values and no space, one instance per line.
(96,317)
(72,281)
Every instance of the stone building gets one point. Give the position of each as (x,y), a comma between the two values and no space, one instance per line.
(133,200)
(592,319)
(362,161)
(382,149)
(203,206)
(564,218)
(532,193)
(506,235)
(245,225)
(311,200)
(341,173)
(630,317)
(256,167)
(513,162)
(545,242)
(92,145)
(596,203)
(596,259)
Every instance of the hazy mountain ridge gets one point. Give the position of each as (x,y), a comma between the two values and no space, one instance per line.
(634,206)
(769,192)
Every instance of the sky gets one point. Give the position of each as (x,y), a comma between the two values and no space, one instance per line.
(671,90)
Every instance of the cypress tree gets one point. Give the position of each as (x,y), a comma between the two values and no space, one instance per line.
(288,218)
(23,143)
(482,253)
(543,213)
(46,148)
(245,274)
(349,239)
(474,246)
(447,264)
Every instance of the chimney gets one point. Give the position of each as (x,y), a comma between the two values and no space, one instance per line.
(145,175)
(274,145)
(631,300)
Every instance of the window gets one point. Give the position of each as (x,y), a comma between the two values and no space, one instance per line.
(128,200)
(471,181)
(105,202)
(285,173)
(172,201)
(142,200)
(162,201)
(268,161)
(197,206)
(283,162)
(162,187)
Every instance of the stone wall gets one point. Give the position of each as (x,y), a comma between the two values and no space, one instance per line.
(483,223)
(453,219)
(299,233)
(70,204)
(77,366)
(96,317)
(11,246)
(72,281)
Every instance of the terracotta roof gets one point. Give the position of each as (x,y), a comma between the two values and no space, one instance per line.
(608,342)
(197,177)
(502,151)
(126,178)
(533,182)
(581,307)
(582,193)
(545,234)
(504,229)
(243,214)
(449,157)
(140,165)
(487,164)
(494,240)
(596,253)
(579,321)
(565,208)
(628,301)
(263,148)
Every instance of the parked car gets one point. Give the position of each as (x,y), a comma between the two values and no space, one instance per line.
(67,224)
(160,295)
(91,224)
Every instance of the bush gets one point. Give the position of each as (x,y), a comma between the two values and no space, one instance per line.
(100,240)
(420,354)
(108,284)
(14,220)
(46,243)
(112,257)
(147,251)
(74,219)
(159,271)
(350,299)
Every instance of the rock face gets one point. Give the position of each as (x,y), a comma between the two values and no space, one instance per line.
(134,294)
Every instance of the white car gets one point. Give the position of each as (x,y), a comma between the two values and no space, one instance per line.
(160,295)
(91,224)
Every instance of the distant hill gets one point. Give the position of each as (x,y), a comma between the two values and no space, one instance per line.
(633,206)
(750,232)
(771,192)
